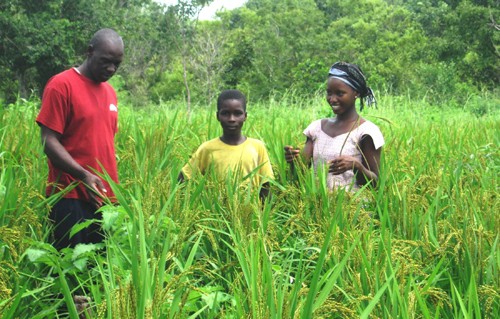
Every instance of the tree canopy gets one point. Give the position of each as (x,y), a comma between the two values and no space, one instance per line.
(265,48)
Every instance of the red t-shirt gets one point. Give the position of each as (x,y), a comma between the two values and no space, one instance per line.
(85,114)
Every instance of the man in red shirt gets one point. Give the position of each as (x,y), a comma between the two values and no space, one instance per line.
(78,121)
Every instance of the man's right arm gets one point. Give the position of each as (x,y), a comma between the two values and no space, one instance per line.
(61,159)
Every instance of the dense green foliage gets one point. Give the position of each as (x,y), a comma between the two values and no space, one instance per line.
(424,244)
(440,49)
(38,40)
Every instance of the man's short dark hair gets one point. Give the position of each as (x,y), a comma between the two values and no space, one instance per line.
(105,35)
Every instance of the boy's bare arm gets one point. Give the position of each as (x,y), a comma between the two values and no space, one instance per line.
(181,178)
(265,192)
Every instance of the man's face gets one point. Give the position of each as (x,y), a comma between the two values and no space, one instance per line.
(104,60)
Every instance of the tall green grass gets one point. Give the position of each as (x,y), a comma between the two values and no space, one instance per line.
(424,244)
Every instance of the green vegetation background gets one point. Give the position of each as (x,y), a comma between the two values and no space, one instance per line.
(445,50)
(424,244)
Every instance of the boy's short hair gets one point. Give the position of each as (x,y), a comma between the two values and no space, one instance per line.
(231,95)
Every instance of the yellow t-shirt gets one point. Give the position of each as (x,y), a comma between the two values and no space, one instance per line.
(248,157)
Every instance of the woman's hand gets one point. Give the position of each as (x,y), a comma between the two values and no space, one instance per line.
(291,153)
(343,164)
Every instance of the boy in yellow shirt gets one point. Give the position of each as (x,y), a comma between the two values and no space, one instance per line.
(232,152)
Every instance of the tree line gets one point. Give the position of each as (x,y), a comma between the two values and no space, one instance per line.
(266,48)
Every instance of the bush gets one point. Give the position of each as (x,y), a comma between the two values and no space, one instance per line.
(170,86)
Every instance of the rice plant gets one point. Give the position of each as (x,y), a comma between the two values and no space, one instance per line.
(423,244)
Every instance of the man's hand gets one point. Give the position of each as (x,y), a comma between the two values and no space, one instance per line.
(95,189)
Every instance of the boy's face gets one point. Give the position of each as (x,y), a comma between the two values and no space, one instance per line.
(231,116)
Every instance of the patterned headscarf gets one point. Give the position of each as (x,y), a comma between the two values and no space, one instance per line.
(352,75)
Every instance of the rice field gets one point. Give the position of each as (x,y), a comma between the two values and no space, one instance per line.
(423,244)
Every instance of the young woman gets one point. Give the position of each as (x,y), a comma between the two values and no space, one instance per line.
(347,143)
